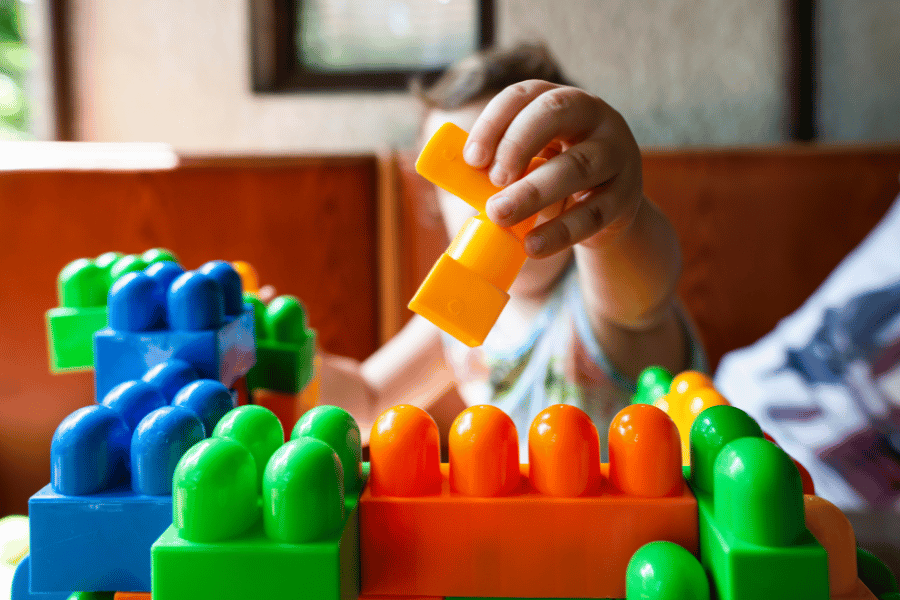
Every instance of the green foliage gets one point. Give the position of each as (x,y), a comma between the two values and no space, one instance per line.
(14,61)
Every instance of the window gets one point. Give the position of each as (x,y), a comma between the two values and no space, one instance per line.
(307,45)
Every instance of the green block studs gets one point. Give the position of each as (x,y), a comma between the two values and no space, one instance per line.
(652,383)
(753,535)
(285,346)
(255,518)
(82,288)
(665,571)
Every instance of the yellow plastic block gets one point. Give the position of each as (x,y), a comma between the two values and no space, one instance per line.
(479,267)
(459,301)
(441,162)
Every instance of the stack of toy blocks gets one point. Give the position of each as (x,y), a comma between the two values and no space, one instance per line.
(283,378)
(164,313)
(174,344)
(82,288)
(257,519)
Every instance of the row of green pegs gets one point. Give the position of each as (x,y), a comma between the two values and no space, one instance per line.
(85,283)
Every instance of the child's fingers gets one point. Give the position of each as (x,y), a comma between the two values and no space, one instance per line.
(563,113)
(496,117)
(596,210)
(582,167)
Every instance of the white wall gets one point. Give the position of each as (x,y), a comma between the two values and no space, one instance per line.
(685,72)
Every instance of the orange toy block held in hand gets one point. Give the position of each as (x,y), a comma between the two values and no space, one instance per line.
(467,288)
(483,525)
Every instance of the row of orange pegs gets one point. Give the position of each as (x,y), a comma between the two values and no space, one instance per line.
(563,454)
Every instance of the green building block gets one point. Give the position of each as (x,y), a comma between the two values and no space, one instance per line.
(665,571)
(753,536)
(82,289)
(652,383)
(283,530)
(285,346)
(875,574)
(92,596)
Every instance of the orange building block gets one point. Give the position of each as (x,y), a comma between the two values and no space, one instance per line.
(689,395)
(482,525)
(833,530)
(290,407)
(132,596)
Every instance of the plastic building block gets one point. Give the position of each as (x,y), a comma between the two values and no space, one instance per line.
(257,519)
(82,288)
(753,537)
(875,574)
(285,347)
(21,590)
(652,383)
(164,313)
(833,530)
(665,571)
(92,596)
(287,407)
(132,596)
(483,525)
(689,395)
(111,480)
(467,288)
(249,279)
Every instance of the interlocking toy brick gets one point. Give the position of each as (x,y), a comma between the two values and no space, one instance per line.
(467,288)
(753,538)
(652,383)
(111,480)
(132,596)
(483,525)
(257,519)
(164,313)
(876,576)
(82,288)
(833,530)
(285,346)
(21,586)
(689,395)
(666,571)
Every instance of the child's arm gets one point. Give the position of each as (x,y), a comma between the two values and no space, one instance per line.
(408,369)
(591,190)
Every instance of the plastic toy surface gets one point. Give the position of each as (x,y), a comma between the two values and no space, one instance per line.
(82,289)
(467,288)
(165,313)
(257,519)
(285,346)
(753,537)
(484,525)
(111,480)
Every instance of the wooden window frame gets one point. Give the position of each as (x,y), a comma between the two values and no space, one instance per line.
(275,68)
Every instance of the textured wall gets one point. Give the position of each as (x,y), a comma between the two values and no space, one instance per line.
(859,74)
(684,72)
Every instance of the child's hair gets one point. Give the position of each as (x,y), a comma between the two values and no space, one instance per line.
(487,73)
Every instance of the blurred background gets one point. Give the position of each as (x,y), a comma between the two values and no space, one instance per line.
(284,75)
(280,132)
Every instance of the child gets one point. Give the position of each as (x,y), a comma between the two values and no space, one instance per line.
(594,304)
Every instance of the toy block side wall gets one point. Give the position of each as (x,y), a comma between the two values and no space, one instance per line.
(306,224)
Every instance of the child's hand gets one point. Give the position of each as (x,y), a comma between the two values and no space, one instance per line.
(593,171)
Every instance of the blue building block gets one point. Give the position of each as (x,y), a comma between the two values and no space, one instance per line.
(164,313)
(20,589)
(110,495)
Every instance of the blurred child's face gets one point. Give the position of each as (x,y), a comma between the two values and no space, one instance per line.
(537,274)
